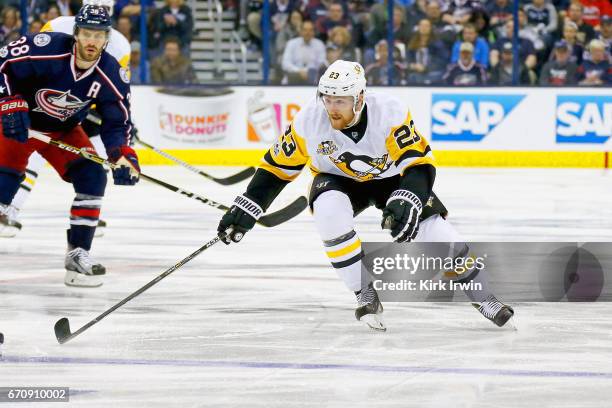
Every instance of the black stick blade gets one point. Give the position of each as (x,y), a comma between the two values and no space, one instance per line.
(62,330)
(284,214)
(236,178)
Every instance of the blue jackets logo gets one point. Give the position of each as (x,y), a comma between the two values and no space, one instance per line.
(468,117)
(584,118)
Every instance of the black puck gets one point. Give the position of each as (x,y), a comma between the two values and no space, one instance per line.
(1,338)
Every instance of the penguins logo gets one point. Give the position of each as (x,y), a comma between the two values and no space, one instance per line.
(360,167)
(327,147)
(58,104)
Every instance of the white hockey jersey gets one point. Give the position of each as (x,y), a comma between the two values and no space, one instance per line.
(390,145)
(118,45)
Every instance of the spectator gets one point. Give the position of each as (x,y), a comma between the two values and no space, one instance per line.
(597,70)
(171,67)
(289,31)
(35,27)
(527,52)
(532,34)
(466,72)
(480,46)
(570,36)
(332,54)
(574,15)
(542,16)
(400,28)
(135,66)
(124,26)
(561,70)
(594,10)
(303,57)
(415,12)
(605,33)
(52,13)
(11,24)
(175,20)
(377,73)
(341,38)
(280,11)
(315,9)
(501,73)
(252,10)
(37,9)
(459,12)
(334,18)
(440,29)
(427,56)
(132,9)
(500,12)
(480,20)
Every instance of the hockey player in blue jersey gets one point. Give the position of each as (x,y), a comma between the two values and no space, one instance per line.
(48,81)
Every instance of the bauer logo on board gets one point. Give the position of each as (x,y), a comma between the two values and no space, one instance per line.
(468,117)
(583,118)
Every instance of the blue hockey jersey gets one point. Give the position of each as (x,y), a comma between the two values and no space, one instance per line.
(42,69)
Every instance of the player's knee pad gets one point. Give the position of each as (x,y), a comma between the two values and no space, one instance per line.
(9,184)
(333,213)
(88,178)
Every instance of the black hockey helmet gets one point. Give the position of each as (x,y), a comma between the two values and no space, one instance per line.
(93,18)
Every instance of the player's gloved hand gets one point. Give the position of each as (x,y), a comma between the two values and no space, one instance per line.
(128,171)
(401,215)
(241,217)
(15,118)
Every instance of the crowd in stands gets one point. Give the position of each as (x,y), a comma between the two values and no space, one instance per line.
(437,42)
(170,29)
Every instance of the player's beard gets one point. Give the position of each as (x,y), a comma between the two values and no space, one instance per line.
(340,121)
(88,54)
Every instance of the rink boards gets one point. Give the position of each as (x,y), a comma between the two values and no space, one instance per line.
(470,127)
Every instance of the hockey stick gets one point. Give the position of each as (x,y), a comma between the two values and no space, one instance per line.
(62,326)
(269,220)
(226,181)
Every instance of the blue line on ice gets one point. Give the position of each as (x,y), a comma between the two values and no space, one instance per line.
(310,366)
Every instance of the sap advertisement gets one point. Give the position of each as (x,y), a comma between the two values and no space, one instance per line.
(521,119)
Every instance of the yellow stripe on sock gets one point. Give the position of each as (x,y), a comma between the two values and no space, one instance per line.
(344,251)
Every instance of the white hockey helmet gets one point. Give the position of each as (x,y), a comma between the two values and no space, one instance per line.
(109,5)
(344,78)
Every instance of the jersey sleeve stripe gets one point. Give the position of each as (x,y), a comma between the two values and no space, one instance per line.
(413,154)
(286,175)
(268,158)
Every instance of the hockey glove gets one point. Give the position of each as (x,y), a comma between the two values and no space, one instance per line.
(401,215)
(241,217)
(128,171)
(15,118)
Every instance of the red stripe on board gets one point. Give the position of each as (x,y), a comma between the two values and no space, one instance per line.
(85,212)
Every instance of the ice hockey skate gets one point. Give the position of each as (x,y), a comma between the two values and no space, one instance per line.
(494,310)
(369,309)
(81,270)
(9,226)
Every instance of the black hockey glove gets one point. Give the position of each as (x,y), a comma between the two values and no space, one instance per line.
(401,215)
(241,217)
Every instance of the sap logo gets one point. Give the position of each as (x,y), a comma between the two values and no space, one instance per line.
(584,119)
(468,118)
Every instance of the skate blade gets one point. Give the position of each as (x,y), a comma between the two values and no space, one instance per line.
(9,231)
(374,322)
(79,280)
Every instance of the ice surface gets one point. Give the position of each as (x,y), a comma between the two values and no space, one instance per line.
(268,324)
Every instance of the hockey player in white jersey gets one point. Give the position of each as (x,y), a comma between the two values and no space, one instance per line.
(363,149)
(119,47)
